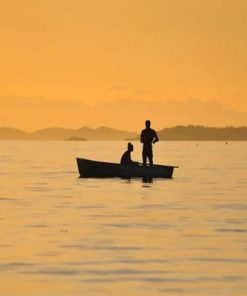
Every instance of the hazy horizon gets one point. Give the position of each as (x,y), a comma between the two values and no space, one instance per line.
(177,133)
(118,130)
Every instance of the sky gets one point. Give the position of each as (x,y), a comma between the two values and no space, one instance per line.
(96,52)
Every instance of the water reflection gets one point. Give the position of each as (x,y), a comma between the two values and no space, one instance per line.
(147,180)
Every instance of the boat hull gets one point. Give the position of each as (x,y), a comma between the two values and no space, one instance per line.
(97,169)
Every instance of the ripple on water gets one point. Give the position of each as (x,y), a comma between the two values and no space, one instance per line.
(238,230)
(5,245)
(98,247)
(127,261)
(38,225)
(165,206)
(232,206)
(139,225)
(95,206)
(38,189)
(101,272)
(15,266)
(153,279)
(7,199)
(221,260)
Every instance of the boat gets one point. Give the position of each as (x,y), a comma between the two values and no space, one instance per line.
(99,169)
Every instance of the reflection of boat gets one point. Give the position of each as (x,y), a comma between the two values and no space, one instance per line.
(98,169)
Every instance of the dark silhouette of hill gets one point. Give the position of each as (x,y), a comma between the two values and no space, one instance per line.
(7,133)
(201,133)
(56,133)
(105,133)
(101,133)
(177,133)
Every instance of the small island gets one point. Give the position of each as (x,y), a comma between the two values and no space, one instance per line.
(75,139)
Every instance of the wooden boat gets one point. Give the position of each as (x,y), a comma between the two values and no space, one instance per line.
(98,169)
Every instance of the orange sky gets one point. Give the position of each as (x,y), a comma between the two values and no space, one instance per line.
(101,51)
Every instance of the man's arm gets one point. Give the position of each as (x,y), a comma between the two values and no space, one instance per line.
(142,137)
(156,138)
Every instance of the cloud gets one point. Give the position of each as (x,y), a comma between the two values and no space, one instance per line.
(30,113)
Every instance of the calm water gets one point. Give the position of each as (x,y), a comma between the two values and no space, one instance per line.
(61,235)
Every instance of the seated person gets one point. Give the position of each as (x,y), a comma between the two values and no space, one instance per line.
(126,158)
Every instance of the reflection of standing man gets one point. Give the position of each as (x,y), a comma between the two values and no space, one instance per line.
(148,137)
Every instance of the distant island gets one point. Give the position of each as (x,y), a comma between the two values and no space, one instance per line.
(177,133)
(60,134)
(202,133)
(75,139)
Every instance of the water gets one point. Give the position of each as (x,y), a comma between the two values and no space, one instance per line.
(61,235)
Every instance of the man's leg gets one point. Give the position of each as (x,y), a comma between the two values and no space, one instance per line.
(150,156)
(144,158)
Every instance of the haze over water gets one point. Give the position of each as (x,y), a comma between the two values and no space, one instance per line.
(61,235)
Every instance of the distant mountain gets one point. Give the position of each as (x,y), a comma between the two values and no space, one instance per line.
(177,133)
(7,133)
(105,133)
(56,133)
(201,133)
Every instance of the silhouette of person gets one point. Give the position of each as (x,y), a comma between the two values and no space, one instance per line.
(148,138)
(126,157)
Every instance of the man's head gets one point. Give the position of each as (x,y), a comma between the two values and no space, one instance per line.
(130,147)
(148,123)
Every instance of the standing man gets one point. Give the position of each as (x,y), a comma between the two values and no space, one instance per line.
(148,138)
